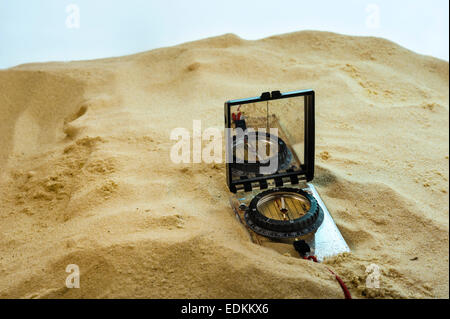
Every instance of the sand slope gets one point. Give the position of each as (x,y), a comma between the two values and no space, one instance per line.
(86,177)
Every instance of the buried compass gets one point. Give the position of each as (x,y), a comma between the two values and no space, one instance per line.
(270,168)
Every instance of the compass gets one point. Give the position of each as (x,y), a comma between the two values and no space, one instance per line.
(284,213)
(281,209)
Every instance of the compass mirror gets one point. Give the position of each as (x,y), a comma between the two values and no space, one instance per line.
(268,136)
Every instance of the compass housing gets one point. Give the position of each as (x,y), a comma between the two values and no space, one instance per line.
(294,113)
(269,221)
(280,209)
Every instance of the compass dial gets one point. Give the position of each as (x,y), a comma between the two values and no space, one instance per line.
(283,206)
(284,213)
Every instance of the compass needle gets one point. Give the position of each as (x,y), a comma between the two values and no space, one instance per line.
(284,210)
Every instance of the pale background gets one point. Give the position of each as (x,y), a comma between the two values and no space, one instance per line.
(49,30)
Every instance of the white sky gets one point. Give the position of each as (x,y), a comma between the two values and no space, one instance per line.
(37,31)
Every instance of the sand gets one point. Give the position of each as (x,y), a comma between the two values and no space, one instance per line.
(86,176)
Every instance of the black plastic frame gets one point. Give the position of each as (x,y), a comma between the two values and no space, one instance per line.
(307,168)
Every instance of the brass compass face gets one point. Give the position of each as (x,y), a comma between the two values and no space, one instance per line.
(283,206)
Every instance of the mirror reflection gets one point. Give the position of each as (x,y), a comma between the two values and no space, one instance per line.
(267,137)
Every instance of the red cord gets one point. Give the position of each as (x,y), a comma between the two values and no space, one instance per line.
(341,282)
(313,258)
(343,286)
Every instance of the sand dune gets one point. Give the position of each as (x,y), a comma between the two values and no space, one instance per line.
(86,176)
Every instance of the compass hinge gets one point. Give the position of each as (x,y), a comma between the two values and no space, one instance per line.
(248,186)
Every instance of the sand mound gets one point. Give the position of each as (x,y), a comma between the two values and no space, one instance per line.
(86,177)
